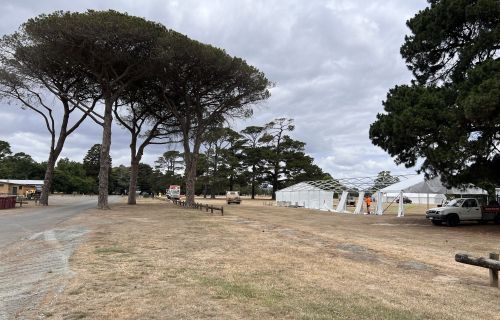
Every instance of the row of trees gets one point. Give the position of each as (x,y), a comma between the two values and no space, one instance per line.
(255,156)
(243,161)
(82,177)
(158,84)
(18,165)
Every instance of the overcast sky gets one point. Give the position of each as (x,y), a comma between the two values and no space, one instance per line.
(332,62)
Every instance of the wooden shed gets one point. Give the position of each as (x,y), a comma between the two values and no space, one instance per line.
(20,187)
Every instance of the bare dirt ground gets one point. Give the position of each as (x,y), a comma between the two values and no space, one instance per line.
(159,261)
(35,248)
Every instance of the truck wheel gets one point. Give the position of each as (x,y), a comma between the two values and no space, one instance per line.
(452,220)
(497,219)
(437,222)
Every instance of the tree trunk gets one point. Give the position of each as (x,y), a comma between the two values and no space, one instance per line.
(47,181)
(102,202)
(132,187)
(55,151)
(275,181)
(231,182)
(253,181)
(190,178)
(135,158)
(215,180)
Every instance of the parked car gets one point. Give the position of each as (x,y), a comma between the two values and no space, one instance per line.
(233,197)
(351,201)
(405,200)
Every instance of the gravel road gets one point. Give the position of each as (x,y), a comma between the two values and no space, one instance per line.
(35,250)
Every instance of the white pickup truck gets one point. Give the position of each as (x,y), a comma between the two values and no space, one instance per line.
(464,209)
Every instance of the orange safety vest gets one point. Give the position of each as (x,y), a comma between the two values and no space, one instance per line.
(368,201)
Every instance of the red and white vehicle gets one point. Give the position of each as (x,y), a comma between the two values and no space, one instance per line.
(174,192)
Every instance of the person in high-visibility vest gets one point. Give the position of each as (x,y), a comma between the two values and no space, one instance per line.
(368,201)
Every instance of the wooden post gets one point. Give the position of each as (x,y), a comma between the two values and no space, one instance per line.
(207,207)
(221,211)
(480,262)
(211,209)
(494,273)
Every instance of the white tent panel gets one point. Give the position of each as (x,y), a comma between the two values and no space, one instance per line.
(416,198)
(326,200)
(305,195)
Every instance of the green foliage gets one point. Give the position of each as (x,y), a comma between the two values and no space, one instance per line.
(20,166)
(449,116)
(223,163)
(91,164)
(284,161)
(91,161)
(4,149)
(384,179)
(203,86)
(144,178)
(450,37)
(120,178)
(70,176)
(252,155)
(207,83)
(170,162)
(108,47)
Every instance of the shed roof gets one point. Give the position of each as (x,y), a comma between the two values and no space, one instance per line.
(23,182)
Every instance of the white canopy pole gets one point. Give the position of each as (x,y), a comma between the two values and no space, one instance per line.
(341,207)
(359,203)
(380,211)
(401,208)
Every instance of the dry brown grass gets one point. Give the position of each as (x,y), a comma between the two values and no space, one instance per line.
(158,261)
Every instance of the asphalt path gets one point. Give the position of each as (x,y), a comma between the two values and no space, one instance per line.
(35,247)
(19,226)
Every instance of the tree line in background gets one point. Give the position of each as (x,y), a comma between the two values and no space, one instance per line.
(159,85)
(256,160)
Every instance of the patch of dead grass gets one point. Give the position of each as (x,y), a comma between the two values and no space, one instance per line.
(158,261)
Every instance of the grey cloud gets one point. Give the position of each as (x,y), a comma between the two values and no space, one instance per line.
(332,61)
